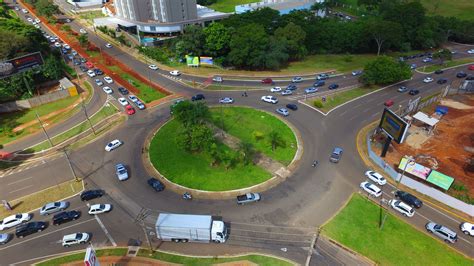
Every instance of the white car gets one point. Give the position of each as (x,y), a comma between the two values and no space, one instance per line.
(66,46)
(76,238)
(376,177)
(37,26)
(57,44)
(108,79)
(402,207)
(269,99)
(153,67)
(37,20)
(91,73)
(133,98)
(113,145)
(99,82)
(175,73)
(226,100)
(14,220)
(370,188)
(123,101)
(467,228)
(99,208)
(275,89)
(428,80)
(29,20)
(283,111)
(471,51)
(107,90)
(286,92)
(24,11)
(108,45)
(218,79)
(297,79)
(83,31)
(121,172)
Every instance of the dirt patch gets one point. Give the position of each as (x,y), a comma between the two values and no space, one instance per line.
(237,263)
(449,150)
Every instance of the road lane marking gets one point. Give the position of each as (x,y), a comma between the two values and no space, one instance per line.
(341,114)
(49,233)
(16,190)
(107,234)
(358,105)
(21,180)
(368,109)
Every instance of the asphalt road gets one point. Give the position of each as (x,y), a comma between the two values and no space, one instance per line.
(307,199)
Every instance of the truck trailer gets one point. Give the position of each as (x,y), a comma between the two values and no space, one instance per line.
(190,228)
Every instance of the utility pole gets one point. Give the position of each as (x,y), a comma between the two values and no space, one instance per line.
(44,129)
(141,216)
(70,166)
(87,116)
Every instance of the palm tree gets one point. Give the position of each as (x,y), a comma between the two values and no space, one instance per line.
(247,152)
(275,139)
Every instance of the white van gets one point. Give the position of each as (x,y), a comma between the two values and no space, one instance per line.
(77,238)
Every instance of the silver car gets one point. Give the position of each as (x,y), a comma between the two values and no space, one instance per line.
(53,207)
(4,238)
(286,92)
(121,172)
(283,111)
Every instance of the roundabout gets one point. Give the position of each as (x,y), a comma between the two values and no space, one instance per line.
(237,157)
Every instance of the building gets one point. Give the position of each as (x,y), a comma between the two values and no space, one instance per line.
(282,6)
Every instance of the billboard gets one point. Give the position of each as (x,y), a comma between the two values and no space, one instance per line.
(439,179)
(393,125)
(206,60)
(415,169)
(20,64)
(90,259)
(192,60)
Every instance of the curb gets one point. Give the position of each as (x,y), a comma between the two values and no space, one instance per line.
(465,64)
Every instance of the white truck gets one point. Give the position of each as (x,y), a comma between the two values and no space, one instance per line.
(248,198)
(190,228)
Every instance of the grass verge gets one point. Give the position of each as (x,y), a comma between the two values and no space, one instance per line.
(447,64)
(461,9)
(257,123)
(80,256)
(38,199)
(228,6)
(398,243)
(104,112)
(195,170)
(339,98)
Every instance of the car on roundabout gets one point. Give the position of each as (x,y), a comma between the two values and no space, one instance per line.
(376,177)
(388,102)
(370,188)
(14,220)
(461,74)
(356,72)
(269,99)
(291,87)
(470,51)
(275,89)
(428,80)
(471,67)
(99,208)
(319,83)
(30,228)
(107,90)
(286,92)
(226,100)
(64,217)
(283,111)
(114,144)
(121,172)
(322,76)
(292,106)
(155,184)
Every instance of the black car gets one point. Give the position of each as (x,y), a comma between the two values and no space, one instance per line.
(409,199)
(470,77)
(63,217)
(292,106)
(291,87)
(461,74)
(91,194)
(30,228)
(198,97)
(413,92)
(442,81)
(83,68)
(83,60)
(123,91)
(439,71)
(98,72)
(155,184)
(333,86)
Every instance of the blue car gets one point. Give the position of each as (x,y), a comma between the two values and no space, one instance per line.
(319,83)
(333,86)
(311,90)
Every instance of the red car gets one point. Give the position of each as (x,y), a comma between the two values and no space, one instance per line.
(388,103)
(89,65)
(267,81)
(130,110)
(471,67)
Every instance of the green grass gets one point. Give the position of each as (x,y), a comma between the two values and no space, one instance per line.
(195,170)
(318,63)
(446,64)
(229,5)
(340,98)
(80,256)
(398,243)
(459,8)
(90,15)
(96,118)
(184,260)
(257,121)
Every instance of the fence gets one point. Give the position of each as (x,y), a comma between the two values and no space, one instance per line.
(32,102)
(420,187)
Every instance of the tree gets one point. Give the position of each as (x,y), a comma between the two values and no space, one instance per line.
(217,39)
(190,114)
(193,40)
(11,43)
(52,68)
(275,139)
(383,32)
(293,37)
(385,70)
(247,152)
(196,138)
(83,40)
(443,55)
(46,8)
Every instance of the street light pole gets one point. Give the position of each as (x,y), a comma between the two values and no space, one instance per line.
(44,129)
(70,166)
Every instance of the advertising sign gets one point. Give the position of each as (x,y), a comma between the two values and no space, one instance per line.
(90,259)
(415,169)
(393,125)
(439,179)
(205,60)
(192,60)
(20,64)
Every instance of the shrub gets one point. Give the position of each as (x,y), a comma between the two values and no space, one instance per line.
(258,135)
(318,103)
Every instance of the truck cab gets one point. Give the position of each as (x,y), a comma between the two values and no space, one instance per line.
(219,232)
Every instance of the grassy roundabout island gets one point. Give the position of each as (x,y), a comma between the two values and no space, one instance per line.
(206,161)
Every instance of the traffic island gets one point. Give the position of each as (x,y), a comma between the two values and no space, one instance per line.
(219,171)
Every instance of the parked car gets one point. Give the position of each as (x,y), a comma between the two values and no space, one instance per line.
(123,91)
(297,79)
(175,73)
(53,207)
(471,67)
(198,97)
(408,199)
(107,90)
(333,86)
(319,83)
(356,72)
(91,73)
(82,31)
(153,67)
(376,177)
(428,80)
(402,207)
(4,238)
(74,239)
(292,106)
(427,60)
(467,228)
(311,90)
(286,92)
(268,81)
(402,89)
(414,92)
(122,101)
(155,184)
(113,145)
(64,217)
(121,172)
(139,105)
(108,79)
(14,220)
(133,98)
(129,109)
(372,189)
(275,89)
(439,71)
(441,231)
(336,155)
(98,71)
(226,100)
(461,74)
(470,77)
(99,82)
(248,198)
(99,208)
(91,194)
(283,111)
(412,66)
(470,51)
(442,81)
(269,99)
(89,65)
(30,228)
(388,102)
